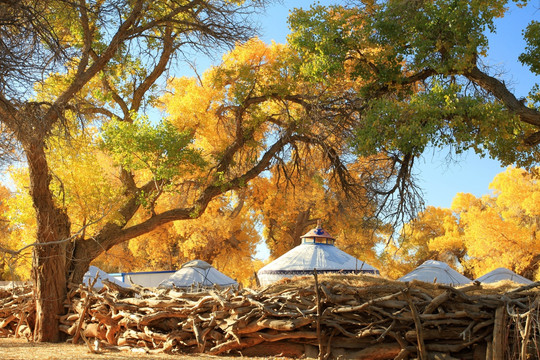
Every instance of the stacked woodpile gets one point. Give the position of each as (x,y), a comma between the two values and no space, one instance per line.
(356,317)
(17,311)
(344,316)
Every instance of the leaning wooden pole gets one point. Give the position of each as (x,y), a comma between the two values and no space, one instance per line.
(498,333)
(526,335)
(422,352)
(318,321)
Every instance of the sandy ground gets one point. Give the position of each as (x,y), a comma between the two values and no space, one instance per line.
(18,349)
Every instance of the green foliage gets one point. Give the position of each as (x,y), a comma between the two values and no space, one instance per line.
(160,149)
(321,39)
(443,35)
(440,117)
(532,51)
(378,46)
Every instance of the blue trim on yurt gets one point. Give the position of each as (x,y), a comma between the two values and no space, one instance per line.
(320,271)
(331,243)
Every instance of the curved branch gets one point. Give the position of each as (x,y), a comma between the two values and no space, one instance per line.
(98,110)
(117,235)
(98,65)
(501,92)
(161,66)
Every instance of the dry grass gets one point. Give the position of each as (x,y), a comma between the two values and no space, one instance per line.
(371,287)
(21,349)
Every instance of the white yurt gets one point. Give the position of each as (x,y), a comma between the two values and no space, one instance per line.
(95,272)
(317,251)
(197,274)
(503,274)
(438,272)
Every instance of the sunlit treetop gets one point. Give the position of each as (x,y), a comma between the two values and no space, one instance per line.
(253,90)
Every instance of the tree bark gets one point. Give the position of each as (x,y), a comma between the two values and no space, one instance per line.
(49,255)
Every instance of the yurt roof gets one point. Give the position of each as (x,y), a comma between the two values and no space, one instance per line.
(436,271)
(197,264)
(323,257)
(94,271)
(503,274)
(197,273)
(317,251)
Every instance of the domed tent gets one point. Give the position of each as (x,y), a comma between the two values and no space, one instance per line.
(503,274)
(317,251)
(436,271)
(95,272)
(197,274)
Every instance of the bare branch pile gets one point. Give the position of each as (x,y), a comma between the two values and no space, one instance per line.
(17,311)
(356,317)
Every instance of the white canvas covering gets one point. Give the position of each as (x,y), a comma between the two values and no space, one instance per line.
(503,274)
(436,271)
(94,271)
(197,274)
(301,260)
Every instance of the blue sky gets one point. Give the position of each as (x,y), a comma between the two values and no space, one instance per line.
(441,180)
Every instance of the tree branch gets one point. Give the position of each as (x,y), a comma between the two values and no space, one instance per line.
(501,92)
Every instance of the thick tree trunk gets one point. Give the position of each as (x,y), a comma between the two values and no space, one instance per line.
(50,252)
(82,256)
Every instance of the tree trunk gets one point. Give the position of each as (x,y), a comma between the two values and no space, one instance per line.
(50,253)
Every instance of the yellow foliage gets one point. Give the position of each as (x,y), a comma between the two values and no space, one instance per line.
(210,106)
(86,181)
(118,259)
(14,266)
(224,236)
(288,208)
(485,233)
(426,237)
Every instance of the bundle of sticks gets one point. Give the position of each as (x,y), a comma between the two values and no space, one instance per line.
(17,311)
(325,317)
(357,317)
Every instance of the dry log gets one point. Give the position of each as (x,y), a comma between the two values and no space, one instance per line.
(392,304)
(480,352)
(124,292)
(448,348)
(526,335)
(419,329)
(80,319)
(271,337)
(450,315)
(481,325)
(375,352)
(235,345)
(153,303)
(95,330)
(336,298)
(7,321)
(437,301)
(498,333)
(433,334)
(281,348)
(150,318)
(366,304)
(350,343)
(284,325)
(526,287)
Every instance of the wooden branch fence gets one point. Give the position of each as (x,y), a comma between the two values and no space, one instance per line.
(345,317)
